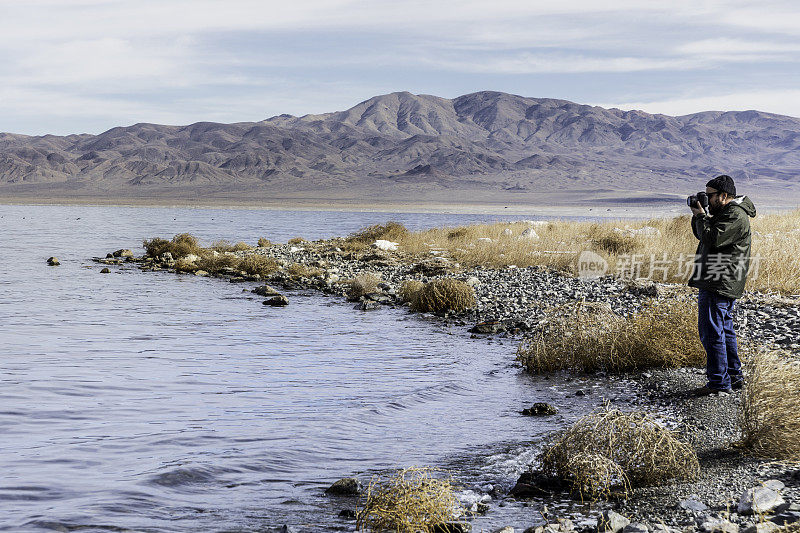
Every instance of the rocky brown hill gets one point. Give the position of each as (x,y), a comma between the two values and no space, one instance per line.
(485,139)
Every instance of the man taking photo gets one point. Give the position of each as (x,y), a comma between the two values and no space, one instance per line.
(721,263)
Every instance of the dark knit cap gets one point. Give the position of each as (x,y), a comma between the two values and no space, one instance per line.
(723,183)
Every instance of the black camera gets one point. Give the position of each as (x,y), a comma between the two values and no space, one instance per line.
(701,197)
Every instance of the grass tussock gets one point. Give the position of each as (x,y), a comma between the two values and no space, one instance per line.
(264,242)
(586,337)
(412,500)
(299,270)
(223,246)
(771,403)
(445,294)
(391,231)
(608,452)
(296,240)
(257,264)
(662,253)
(409,290)
(214,263)
(180,246)
(361,285)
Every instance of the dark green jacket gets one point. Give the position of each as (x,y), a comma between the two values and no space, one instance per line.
(723,254)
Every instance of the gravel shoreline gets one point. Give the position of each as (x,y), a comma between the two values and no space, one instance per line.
(515,301)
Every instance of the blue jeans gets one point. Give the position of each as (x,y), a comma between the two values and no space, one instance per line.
(715,325)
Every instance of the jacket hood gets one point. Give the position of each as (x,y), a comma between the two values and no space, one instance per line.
(745,204)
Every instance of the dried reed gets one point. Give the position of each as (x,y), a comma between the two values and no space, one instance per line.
(587,337)
(412,500)
(362,284)
(644,452)
(445,294)
(771,403)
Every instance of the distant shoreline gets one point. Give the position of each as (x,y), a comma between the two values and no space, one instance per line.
(603,208)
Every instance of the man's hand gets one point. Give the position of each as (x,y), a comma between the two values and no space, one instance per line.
(697,209)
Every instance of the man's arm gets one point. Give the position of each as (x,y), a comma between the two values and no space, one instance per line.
(719,231)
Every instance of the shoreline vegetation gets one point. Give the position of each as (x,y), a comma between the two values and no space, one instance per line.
(714,469)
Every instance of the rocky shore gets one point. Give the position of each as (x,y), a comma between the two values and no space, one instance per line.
(516,302)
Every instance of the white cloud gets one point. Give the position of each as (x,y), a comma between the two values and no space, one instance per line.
(115,57)
(784,102)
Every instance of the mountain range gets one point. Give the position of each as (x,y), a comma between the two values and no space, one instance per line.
(484,141)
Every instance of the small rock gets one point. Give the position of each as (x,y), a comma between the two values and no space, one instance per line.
(473,282)
(348,514)
(202,273)
(484,240)
(713,525)
(277,301)
(540,409)
(348,486)
(387,246)
(367,305)
(488,327)
(506,529)
(265,290)
(53,261)
(611,522)
(774,484)
(105,271)
(123,253)
(528,233)
(508,233)
(762,527)
(635,527)
(759,500)
(166,257)
(692,503)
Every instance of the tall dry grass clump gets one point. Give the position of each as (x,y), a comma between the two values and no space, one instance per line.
(362,284)
(769,417)
(299,270)
(391,231)
(409,290)
(412,500)
(180,246)
(608,452)
(586,337)
(445,294)
(257,264)
(263,242)
(223,246)
(214,263)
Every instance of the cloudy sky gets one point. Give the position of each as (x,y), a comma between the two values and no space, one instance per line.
(69,66)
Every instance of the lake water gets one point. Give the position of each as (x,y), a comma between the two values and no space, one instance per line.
(156,402)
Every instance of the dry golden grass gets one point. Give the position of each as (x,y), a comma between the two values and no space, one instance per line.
(264,242)
(391,231)
(299,270)
(180,246)
(214,263)
(412,500)
(296,240)
(445,294)
(258,264)
(586,337)
(409,290)
(225,246)
(609,451)
(665,256)
(362,284)
(771,403)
